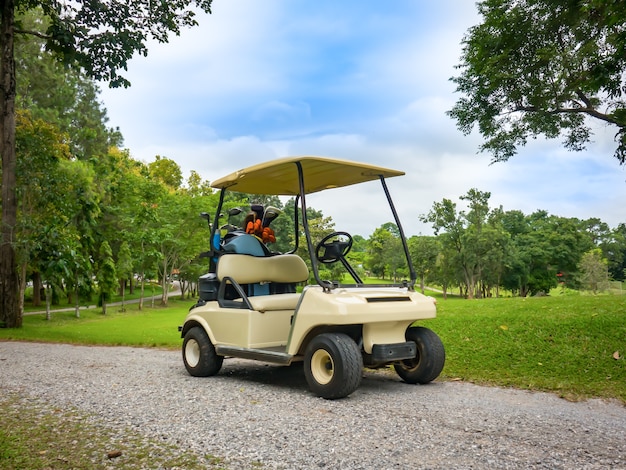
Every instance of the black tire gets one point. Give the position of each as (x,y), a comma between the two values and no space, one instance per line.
(199,354)
(429,360)
(333,365)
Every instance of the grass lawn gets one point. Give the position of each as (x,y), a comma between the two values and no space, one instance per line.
(573,346)
(149,291)
(562,344)
(150,327)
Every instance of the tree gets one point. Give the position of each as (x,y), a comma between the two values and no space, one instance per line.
(377,249)
(167,171)
(105,275)
(446,269)
(124,269)
(424,251)
(73,106)
(542,67)
(541,247)
(593,270)
(41,148)
(475,241)
(99,37)
(614,249)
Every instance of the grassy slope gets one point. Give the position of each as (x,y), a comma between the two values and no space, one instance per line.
(560,344)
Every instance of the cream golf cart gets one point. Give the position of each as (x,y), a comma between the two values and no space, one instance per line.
(249,306)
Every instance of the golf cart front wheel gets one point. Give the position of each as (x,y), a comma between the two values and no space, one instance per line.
(199,354)
(429,360)
(333,365)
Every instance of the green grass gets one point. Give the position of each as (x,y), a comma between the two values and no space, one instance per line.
(36,436)
(561,344)
(149,291)
(150,327)
(564,345)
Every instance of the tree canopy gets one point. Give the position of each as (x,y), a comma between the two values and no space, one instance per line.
(96,38)
(543,67)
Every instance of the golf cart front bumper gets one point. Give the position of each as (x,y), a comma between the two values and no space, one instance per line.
(383,353)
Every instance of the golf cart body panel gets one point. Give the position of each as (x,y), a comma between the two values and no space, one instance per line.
(249,307)
(383,313)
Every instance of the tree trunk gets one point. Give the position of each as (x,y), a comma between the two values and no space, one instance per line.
(10,313)
(22,284)
(165,282)
(143,283)
(37,287)
(77,305)
(48,301)
(123,309)
(183,287)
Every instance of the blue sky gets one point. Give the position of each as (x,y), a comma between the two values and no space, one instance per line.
(359,80)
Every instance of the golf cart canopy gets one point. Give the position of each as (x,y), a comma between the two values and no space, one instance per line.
(299,176)
(280,177)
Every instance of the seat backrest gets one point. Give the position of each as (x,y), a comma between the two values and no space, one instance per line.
(247,269)
(246,244)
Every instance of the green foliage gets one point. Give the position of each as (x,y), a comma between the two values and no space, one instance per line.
(541,67)
(166,171)
(593,270)
(484,249)
(97,39)
(424,251)
(73,107)
(474,241)
(614,249)
(385,253)
(101,38)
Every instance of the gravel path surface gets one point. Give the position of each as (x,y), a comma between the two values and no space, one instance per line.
(262,416)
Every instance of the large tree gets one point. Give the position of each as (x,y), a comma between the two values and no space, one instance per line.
(542,67)
(99,37)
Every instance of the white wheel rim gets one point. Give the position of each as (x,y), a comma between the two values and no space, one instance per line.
(192,353)
(322,366)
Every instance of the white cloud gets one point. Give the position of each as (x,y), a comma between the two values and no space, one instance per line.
(261,80)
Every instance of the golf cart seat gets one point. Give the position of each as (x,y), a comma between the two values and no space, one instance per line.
(243,272)
(245,244)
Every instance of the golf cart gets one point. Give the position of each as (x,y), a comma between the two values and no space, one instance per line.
(250,306)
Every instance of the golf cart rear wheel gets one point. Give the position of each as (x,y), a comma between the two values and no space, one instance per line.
(429,360)
(333,365)
(199,354)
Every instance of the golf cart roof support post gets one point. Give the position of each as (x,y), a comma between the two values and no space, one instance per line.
(305,224)
(216,221)
(295,224)
(402,237)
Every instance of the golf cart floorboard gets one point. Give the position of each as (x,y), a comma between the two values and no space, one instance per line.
(276,355)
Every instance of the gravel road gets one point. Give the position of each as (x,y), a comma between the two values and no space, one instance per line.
(262,416)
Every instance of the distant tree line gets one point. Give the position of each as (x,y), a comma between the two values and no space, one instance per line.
(482,250)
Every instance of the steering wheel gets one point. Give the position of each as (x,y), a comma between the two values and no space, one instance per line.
(330,252)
